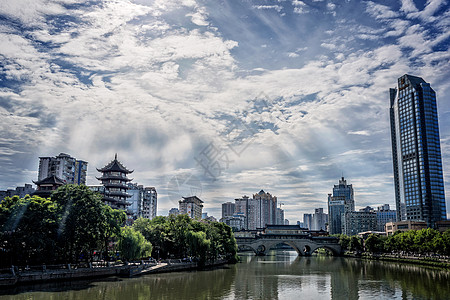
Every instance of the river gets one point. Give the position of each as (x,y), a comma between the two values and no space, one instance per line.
(279,275)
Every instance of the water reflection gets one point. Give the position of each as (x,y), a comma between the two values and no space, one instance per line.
(280,275)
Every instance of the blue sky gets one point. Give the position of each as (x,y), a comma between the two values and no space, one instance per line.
(237,95)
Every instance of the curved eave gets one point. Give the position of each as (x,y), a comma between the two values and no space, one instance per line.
(114,178)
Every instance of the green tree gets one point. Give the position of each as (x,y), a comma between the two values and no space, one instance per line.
(355,244)
(84,221)
(374,243)
(198,245)
(344,241)
(133,245)
(28,227)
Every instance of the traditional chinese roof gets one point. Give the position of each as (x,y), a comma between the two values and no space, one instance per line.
(53,179)
(115,166)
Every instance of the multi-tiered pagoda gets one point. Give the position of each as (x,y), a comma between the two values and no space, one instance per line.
(114,179)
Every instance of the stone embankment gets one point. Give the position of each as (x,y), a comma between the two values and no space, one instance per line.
(16,276)
(417,259)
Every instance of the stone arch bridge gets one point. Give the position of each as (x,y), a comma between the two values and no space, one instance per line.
(303,244)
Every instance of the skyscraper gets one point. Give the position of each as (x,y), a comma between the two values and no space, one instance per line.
(416,151)
(340,202)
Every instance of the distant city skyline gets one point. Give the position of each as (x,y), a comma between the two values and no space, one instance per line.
(219,98)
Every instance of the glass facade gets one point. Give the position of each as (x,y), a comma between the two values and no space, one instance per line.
(419,184)
(341,201)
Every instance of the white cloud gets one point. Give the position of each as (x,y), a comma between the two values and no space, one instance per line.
(278,8)
(408,6)
(359,132)
(380,11)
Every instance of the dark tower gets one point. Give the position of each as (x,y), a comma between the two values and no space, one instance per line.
(416,152)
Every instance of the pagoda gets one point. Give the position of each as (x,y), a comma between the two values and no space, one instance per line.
(46,186)
(114,179)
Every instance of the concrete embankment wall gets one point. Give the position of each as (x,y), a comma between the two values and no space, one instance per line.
(8,280)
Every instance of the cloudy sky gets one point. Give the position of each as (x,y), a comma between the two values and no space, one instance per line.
(220,98)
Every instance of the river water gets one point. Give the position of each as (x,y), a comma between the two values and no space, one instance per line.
(279,275)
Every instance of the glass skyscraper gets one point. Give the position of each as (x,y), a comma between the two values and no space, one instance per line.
(416,152)
(340,202)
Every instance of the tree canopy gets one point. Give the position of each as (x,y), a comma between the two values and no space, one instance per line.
(66,227)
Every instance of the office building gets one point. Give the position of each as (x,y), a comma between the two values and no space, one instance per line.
(340,202)
(385,215)
(392,227)
(359,221)
(115,181)
(65,167)
(192,206)
(416,152)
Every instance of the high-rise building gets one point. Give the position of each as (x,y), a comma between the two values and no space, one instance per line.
(150,203)
(307,221)
(228,209)
(319,219)
(192,206)
(416,152)
(241,207)
(136,199)
(65,167)
(280,216)
(262,209)
(115,181)
(340,202)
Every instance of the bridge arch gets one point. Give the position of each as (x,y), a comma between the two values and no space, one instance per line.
(333,251)
(247,247)
(271,245)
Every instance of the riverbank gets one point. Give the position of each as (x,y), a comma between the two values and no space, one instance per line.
(16,276)
(416,260)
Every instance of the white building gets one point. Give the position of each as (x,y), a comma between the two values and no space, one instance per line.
(150,203)
(319,219)
(69,169)
(192,206)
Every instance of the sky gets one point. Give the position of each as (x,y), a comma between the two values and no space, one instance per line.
(219,98)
